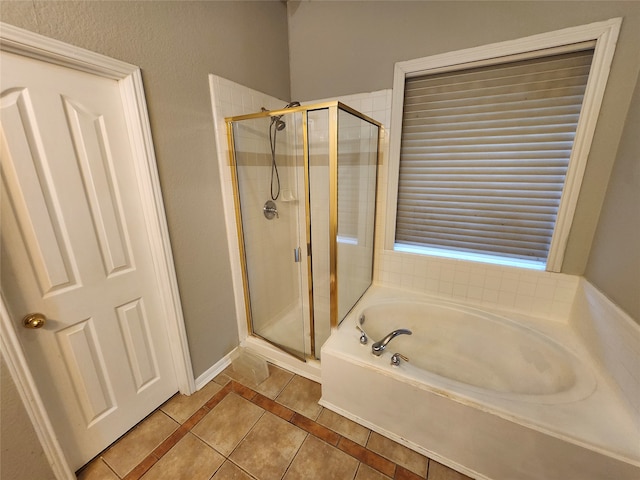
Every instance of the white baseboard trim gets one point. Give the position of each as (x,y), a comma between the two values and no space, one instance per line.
(216,369)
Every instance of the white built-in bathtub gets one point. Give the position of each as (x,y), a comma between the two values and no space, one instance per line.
(494,397)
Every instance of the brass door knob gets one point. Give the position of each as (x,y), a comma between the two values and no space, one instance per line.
(34,320)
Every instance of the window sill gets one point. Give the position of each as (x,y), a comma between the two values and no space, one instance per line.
(473,257)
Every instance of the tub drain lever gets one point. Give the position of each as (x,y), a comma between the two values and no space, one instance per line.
(395,359)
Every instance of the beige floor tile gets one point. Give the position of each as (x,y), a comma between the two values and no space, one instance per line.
(181,407)
(437,471)
(344,426)
(131,449)
(302,395)
(97,470)
(268,448)
(320,461)
(272,386)
(368,473)
(228,423)
(398,453)
(189,459)
(230,471)
(239,377)
(222,379)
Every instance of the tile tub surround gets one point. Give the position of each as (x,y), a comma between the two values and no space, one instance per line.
(230,430)
(541,294)
(588,437)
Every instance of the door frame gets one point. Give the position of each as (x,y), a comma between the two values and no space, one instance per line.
(32,45)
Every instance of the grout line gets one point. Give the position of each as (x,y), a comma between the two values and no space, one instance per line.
(242,439)
(367,456)
(294,456)
(239,467)
(109,467)
(142,468)
(285,386)
(403,473)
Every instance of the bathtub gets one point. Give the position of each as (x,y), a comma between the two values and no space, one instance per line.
(494,396)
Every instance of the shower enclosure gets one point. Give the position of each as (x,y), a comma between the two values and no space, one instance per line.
(305,191)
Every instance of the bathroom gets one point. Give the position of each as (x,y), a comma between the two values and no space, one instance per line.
(295,51)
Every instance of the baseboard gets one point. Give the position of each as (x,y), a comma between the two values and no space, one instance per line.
(216,369)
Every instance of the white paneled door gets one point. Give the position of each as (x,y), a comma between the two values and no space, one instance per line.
(76,250)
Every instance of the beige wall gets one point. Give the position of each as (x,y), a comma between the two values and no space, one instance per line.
(339,48)
(177,44)
(614,263)
(21,455)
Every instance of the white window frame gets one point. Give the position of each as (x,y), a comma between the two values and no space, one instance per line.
(605,35)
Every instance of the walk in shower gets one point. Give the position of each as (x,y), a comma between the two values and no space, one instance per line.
(305,191)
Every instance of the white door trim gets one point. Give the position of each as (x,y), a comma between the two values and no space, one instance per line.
(32,45)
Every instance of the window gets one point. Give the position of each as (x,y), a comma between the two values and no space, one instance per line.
(493,142)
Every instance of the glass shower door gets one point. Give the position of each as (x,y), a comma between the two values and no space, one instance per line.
(270,182)
(357,178)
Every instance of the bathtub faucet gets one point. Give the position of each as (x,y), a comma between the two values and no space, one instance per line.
(378,347)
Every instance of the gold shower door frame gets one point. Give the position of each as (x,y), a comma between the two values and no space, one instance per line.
(333,107)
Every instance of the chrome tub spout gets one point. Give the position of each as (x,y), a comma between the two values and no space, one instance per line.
(378,347)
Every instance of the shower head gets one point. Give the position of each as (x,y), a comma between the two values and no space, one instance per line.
(279,123)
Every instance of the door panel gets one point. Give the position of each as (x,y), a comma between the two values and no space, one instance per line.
(91,143)
(75,248)
(134,325)
(40,217)
(85,365)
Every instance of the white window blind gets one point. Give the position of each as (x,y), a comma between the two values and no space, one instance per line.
(485,152)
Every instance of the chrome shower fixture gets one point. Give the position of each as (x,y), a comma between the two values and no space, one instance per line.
(276,125)
(279,123)
(277,120)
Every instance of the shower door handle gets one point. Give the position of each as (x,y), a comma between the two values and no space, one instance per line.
(296,254)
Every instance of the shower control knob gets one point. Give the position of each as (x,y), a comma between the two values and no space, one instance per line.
(270,210)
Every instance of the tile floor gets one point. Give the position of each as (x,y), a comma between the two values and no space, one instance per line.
(238,430)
